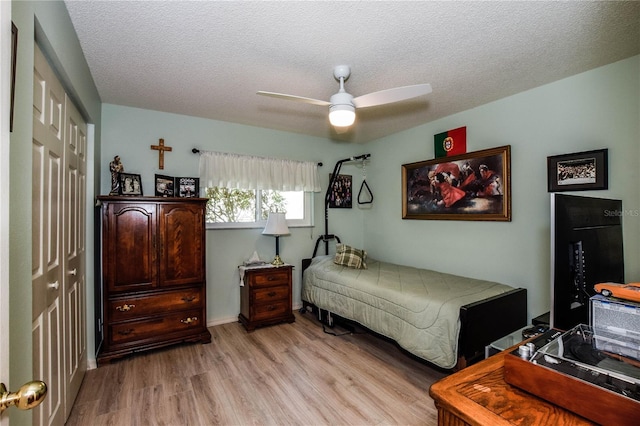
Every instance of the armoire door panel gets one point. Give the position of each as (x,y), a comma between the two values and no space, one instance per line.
(131,248)
(181,233)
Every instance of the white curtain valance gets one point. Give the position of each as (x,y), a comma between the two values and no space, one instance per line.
(224,170)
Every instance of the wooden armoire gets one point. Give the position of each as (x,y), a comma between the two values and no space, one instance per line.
(153,273)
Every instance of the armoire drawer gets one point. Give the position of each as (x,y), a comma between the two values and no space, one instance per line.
(155,327)
(136,306)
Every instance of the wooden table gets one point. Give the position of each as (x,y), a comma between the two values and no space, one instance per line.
(478,395)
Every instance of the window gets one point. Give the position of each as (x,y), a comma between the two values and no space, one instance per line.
(238,208)
(244,189)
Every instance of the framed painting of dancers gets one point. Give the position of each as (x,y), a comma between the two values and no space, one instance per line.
(471,186)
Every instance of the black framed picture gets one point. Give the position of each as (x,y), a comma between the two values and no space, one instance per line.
(187,187)
(579,171)
(130,184)
(165,186)
(341,194)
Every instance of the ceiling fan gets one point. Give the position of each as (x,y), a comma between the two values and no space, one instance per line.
(342,105)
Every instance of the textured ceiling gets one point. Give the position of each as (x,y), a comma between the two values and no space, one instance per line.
(209,58)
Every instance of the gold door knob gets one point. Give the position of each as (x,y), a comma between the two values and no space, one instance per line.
(28,396)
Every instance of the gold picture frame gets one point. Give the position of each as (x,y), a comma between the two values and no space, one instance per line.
(471,186)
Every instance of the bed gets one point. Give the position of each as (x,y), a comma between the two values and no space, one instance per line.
(444,319)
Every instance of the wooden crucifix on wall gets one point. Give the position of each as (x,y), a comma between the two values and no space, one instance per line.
(161,149)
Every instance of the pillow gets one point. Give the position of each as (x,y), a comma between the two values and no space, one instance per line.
(351,257)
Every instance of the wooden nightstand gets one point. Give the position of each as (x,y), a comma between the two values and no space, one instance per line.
(265,297)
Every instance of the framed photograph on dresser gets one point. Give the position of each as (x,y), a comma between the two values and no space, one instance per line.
(165,186)
(187,187)
(130,184)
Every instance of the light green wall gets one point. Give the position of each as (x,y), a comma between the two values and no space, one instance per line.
(597,109)
(593,110)
(130,132)
(50,23)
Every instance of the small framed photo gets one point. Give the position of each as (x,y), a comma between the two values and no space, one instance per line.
(130,184)
(165,186)
(580,171)
(341,195)
(188,187)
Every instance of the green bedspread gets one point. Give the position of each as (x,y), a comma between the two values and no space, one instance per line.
(417,308)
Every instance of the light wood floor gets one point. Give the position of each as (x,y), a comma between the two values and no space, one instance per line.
(284,374)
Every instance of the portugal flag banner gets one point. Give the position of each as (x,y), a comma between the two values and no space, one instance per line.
(453,142)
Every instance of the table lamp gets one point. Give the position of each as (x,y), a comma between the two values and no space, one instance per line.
(276,226)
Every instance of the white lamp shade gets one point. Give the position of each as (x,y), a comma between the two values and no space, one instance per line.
(276,224)
(342,118)
(342,112)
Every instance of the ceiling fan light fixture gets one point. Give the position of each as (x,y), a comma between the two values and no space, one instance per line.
(342,115)
(342,105)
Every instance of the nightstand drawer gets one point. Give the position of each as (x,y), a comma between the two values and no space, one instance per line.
(271,294)
(274,277)
(127,308)
(271,310)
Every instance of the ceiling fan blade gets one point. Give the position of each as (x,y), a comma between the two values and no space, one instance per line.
(389,96)
(294,98)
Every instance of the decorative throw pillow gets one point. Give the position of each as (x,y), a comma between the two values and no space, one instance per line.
(351,257)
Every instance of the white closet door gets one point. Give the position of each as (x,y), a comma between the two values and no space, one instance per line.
(59,244)
(47,253)
(74,247)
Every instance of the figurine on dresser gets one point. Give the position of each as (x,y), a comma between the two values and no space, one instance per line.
(116,167)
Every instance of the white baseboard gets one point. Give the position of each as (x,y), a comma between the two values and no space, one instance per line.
(220,321)
(227,320)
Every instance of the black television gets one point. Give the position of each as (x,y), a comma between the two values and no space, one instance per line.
(586,249)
